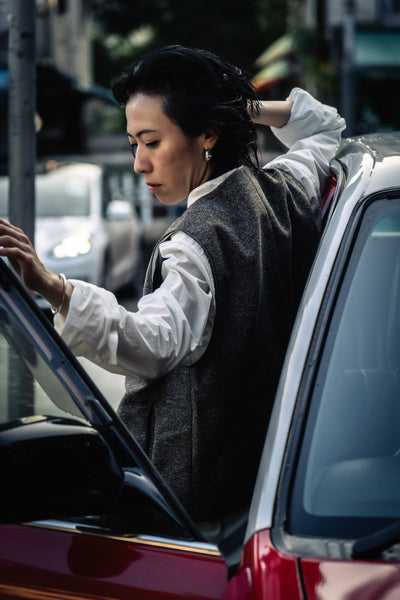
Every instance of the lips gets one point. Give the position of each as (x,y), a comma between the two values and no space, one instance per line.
(153,187)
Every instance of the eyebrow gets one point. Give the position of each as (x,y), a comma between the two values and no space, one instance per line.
(140,133)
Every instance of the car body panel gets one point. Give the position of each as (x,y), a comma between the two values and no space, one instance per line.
(79,565)
(265,573)
(335,579)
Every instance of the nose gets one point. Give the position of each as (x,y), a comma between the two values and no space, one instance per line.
(141,164)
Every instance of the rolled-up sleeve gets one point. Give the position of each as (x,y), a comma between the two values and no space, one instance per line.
(172,324)
(312,134)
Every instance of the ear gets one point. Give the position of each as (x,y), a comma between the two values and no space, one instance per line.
(210,138)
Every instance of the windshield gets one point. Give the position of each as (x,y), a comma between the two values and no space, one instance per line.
(347,481)
(61,193)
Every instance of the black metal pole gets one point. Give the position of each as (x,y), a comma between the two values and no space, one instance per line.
(21,116)
(21,167)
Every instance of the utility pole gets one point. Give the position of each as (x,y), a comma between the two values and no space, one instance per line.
(21,119)
(21,168)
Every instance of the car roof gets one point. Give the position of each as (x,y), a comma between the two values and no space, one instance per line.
(75,168)
(375,155)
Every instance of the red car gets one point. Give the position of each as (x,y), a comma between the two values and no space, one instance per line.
(97,521)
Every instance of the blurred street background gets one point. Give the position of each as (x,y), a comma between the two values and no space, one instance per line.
(59,58)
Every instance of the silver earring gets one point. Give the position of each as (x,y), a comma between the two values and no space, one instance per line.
(208,155)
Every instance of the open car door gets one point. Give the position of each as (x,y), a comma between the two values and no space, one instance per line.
(83,512)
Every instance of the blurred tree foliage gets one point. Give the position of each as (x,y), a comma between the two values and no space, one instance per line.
(238,30)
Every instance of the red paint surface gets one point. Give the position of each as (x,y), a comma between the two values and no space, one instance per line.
(330,191)
(43,564)
(351,580)
(267,574)
(264,573)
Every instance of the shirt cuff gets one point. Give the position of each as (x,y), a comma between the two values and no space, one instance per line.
(308,117)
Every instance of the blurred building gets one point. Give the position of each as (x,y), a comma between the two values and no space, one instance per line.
(63,75)
(347,52)
(360,40)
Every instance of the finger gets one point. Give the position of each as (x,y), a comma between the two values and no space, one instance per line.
(7,242)
(7,226)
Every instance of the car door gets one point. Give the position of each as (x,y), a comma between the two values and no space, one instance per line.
(334,525)
(325,517)
(83,513)
(345,492)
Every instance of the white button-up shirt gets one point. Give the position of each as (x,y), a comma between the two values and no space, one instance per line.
(174,323)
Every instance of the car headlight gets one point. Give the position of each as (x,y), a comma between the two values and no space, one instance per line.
(72,246)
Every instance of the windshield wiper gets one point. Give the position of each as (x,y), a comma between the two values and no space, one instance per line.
(372,546)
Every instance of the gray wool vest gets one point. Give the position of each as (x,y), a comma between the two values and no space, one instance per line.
(203,426)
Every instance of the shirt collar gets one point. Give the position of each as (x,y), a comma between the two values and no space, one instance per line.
(207,187)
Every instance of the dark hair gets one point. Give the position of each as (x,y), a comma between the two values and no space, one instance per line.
(201,91)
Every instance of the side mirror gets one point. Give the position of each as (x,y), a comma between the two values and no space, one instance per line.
(118,210)
(54,468)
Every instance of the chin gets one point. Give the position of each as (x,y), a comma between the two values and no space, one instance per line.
(171,201)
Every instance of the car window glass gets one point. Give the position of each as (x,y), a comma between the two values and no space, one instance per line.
(28,387)
(57,194)
(349,471)
(62,194)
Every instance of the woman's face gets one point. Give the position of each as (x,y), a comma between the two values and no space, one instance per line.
(172,163)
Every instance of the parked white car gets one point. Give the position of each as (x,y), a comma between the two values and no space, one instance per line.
(84,227)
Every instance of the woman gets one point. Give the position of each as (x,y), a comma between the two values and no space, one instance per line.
(204,350)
